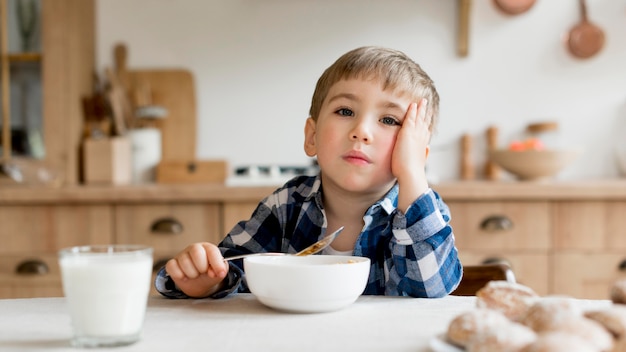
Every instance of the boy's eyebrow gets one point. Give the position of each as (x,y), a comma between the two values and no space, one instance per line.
(343,95)
(392,105)
(388,104)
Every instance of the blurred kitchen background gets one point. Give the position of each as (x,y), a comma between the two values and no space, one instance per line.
(256,62)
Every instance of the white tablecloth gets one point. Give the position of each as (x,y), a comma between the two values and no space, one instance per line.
(241,323)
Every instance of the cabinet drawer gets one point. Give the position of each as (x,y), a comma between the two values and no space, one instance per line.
(501,225)
(168,228)
(530,269)
(28,229)
(590,225)
(587,275)
(32,275)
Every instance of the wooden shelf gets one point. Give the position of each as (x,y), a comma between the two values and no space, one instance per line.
(24,57)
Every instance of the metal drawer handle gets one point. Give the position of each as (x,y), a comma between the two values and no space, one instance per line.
(496,223)
(496,260)
(166,226)
(32,267)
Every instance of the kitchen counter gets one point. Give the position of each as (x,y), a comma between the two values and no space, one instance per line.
(241,323)
(563,228)
(461,190)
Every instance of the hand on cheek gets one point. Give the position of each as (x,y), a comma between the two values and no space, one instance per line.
(411,148)
(408,162)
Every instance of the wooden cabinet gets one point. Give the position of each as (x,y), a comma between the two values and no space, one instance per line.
(590,247)
(515,232)
(31,235)
(167,227)
(59,71)
(559,238)
(37,222)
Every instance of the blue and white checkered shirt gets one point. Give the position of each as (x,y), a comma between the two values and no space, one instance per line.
(412,254)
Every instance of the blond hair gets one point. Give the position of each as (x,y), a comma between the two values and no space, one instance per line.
(394,69)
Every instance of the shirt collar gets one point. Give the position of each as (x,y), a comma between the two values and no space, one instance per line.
(388,202)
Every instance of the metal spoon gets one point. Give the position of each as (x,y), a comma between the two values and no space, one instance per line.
(312,249)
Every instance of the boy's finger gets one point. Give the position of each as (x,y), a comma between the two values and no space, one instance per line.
(173,269)
(215,260)
(187,266)
(412,112)
(423,106)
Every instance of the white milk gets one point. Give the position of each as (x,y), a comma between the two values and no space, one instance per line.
(107,294)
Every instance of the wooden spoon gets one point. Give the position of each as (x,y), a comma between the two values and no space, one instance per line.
(585,39)
(514,7)
(464,23)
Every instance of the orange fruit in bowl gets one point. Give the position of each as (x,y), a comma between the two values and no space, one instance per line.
(534,144)
(527,144)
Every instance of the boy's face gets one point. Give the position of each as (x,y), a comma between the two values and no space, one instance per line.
(355,134)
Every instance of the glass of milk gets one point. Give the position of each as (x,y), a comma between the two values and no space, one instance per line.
(106,289)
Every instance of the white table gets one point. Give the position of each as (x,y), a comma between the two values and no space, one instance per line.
(241,323)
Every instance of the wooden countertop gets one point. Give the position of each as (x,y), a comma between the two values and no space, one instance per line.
(613,189)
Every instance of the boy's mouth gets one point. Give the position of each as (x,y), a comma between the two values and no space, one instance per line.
(356,157)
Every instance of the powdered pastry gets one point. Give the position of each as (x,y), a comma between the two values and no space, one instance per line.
(467,325)
(559,341)
(547,313)
(508,337)
(613,319)
(512,299)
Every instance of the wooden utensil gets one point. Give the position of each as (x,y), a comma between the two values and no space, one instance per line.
(120,106)
(463,34)
(585,39)
(468,172)
(514,7)
(120,56)
(492,171)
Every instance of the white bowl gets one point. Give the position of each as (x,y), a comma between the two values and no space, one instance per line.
(310,284)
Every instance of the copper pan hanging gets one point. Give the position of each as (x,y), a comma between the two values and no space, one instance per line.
(513,7)
(585,39)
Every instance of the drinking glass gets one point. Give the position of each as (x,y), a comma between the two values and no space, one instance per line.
(106,289)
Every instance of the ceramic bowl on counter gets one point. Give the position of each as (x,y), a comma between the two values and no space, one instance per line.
(307,284)
(530,165)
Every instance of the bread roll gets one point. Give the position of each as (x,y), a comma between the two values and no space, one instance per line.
(612,319)
(547,313)
(507,337)
(512,299)
(618,292)
(588,330)
(467,325)
(559,341)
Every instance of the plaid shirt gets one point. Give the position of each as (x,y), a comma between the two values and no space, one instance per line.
(412,254)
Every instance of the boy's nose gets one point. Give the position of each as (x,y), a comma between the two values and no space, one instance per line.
(362,132)
(356,138)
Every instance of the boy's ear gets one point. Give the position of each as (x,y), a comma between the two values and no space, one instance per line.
(309,138)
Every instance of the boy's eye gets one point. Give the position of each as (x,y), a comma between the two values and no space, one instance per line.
(345,112)
(390,121)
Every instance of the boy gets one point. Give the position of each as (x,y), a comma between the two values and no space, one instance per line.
(371,118)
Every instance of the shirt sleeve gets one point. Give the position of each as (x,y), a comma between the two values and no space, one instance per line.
(424,259)
(166,286)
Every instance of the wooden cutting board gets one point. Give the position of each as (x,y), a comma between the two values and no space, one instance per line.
(173,89)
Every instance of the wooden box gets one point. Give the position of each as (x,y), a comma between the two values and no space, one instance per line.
(192,171)
(107,161)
